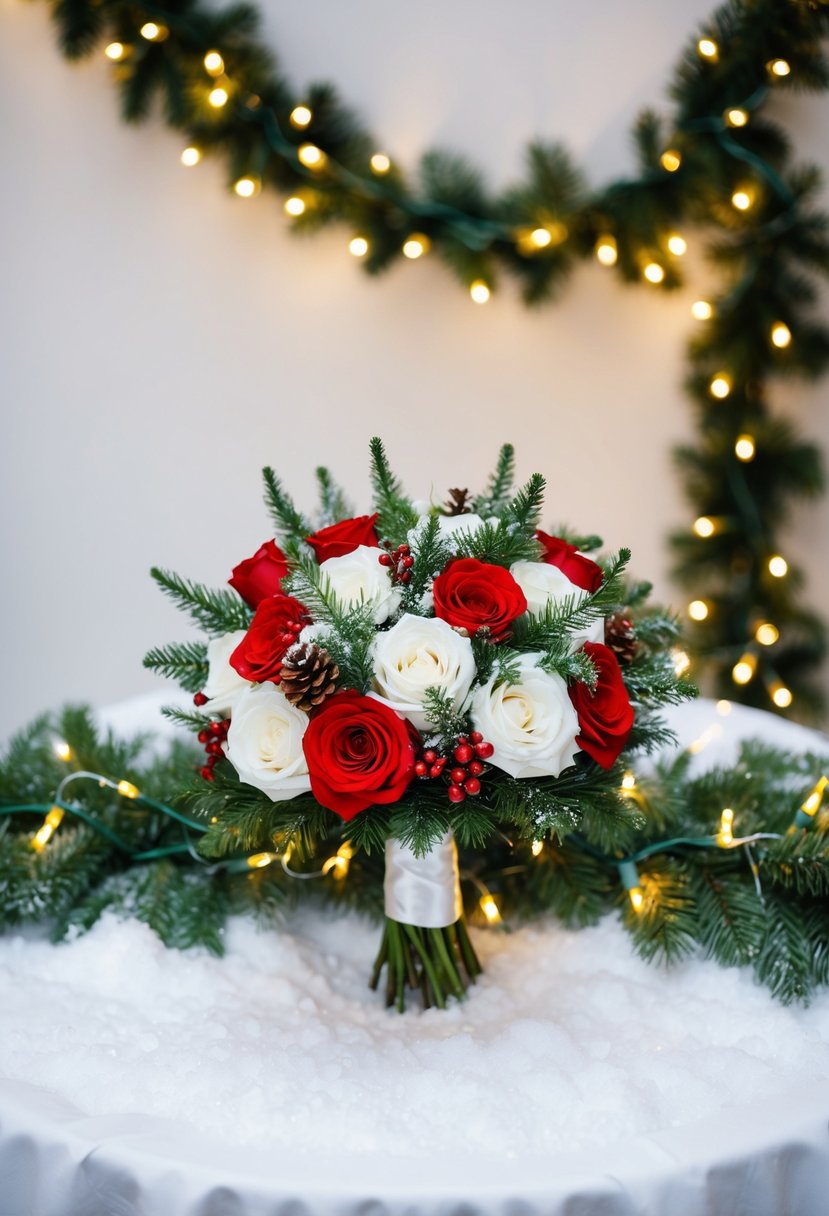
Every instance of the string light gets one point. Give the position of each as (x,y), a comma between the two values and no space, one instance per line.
(479,291)
(677,245)
(743,670)
(698,610)
(537,847)
(47,830)
(779,68)
(720,386)
(190,156)
(338,865)
(805,816)
(246,187)
(213,63)
(781,335)
(628,782)
(154,32)
(681,661)
(704,526)
(62,750)
(708,49)
(653,272)
(416,245)
(301,117)
(115,51)
(778,566)
(724,708)
(781,695)
(358,246)
(294,205)
(490,909)
(745,448)
(311,156)
(218,97)
(630,877)
(258,861)
(541,238)
(670,160)
(742,200)
(725,835)
(606,250)
(766,633)
(701,310)
(736,117)
(127,790)
(380,163)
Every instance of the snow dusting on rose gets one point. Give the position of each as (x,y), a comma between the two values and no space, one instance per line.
(531,724)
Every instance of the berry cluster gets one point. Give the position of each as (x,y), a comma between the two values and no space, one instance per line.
(213,736)
(399,562)
(467,767)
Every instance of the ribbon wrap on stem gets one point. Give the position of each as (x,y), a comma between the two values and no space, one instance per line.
(423,891)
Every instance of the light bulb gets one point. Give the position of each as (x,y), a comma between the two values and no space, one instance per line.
(479,291)
(115,51)
(246,187)
(670,160)
(537,847)
(781,335)
(540,237)
(127,790)
(736,117)
(812,804)
(766,633)
(490,909)
(629,781)
(682,662)
(677,245)
(606,250)
(741,199)
(745,448)
(781,695)
(720,386)
(339,864)
(380,163)
(311,156)
(258,861)
(701,310)
(704,526)
(190,156)
(726,833)
(698,610)
(301,117)
(708,48)
(294,205)
(724,708)
(779,67)
(358,246)
(654,273)
(778,566)
(218,97)
(416,245)
(63,751)
(154,32)
(637,898)
(743,670)
(213,63)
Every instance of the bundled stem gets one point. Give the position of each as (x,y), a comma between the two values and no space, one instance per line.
(436,963)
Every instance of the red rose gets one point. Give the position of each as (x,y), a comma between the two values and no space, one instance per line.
(344,537)
(578,568)
(259,576)
(359,754)
(473,595)
(605,713)
(274,627)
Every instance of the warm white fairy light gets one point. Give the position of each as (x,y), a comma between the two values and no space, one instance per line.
(707,48)
(415,246)
(380,163)
(742,200)
(812,804)
(154,32)
(479,291)
(725,835)
(766,633)
(213,63)
(358,246)
(490,909)
(47,829)
(294,206)
(541,238)
(720,386)
(681,661)
(311,156)
(724,708)
(127,790)
(301,117)
(737,117)
(628,782)
(699,610)
(781,335)
(701,310)
(743,670)
(537,848)
(778,567)
(218,97)
(780,68)
(704,526)
(258,861)
(246,187)
(781,695)
(606,250)
(190,156)
(745,448)
(115,51)
(62,750)
(653,272)
(677,244)
(338,865)
(637,898)
(670,160)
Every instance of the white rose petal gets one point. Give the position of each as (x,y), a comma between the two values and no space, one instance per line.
(264,743)
(532,724)
(419,653)
(358,578)
(545,584)
(224,685)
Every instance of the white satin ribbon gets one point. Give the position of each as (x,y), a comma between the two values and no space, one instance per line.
(423,891)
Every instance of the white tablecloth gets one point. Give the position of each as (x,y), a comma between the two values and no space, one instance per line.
(763,1158)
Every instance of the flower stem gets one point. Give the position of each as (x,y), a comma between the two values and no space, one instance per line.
(437,962)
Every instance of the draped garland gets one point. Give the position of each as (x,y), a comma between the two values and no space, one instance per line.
(715,160)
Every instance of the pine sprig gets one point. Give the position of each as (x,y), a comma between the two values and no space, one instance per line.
(290,525)
(431,554)
(333,504)
(496,497)
(185,662)
(396,515)
(216,611)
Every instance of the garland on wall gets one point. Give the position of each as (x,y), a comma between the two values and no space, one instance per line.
(716,161)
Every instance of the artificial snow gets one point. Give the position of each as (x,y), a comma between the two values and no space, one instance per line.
(567,1041)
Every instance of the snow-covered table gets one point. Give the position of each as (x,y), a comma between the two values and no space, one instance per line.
(139,1081)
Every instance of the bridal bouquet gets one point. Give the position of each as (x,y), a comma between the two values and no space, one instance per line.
(413,679)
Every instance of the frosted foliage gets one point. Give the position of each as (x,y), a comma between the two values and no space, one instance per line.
(567,1041)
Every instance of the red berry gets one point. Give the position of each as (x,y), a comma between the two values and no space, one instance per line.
(472,786)
(405,577)
(484,750)
(475,736)
(287,639)
(456,794)
(462,739)
(407,563)
(203,736)
(436,769)
(295,627)
(430,756)
(404,549)
(475,768)
(215,728)
(421,769)
(207,773)
(200,699)
(458,775)
(211,760)
(464,753)
(215,748)
(384,559)
(226,724)
(440,763)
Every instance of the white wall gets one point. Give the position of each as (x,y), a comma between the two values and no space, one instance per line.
(162,339)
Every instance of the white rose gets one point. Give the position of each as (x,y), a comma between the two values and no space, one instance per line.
(264,743)
(532,724)
(224,685)
(358,578)
(419,653)
(544,584)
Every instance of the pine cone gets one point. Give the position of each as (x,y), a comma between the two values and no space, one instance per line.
(458,503)
(620,637)
(309,675)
